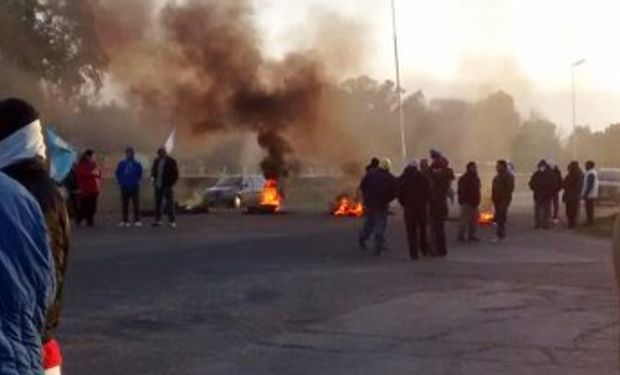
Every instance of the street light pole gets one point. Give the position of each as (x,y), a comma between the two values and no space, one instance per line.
(574,97)
(401,114)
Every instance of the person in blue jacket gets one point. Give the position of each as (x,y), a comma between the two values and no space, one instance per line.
(129,177)
(26,280)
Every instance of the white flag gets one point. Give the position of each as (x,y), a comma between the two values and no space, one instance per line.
(169,145)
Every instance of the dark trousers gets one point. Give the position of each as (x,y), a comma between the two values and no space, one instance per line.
(555,203)
(542,214)
(131,196)
(88,209)
(590,211)
(501,218)
(438,230)
(572,212)
(375,221)
(416,224)
(164,195)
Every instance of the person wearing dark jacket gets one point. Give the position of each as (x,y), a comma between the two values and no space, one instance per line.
(89,182)
(165,174)
(23,157)
(414,194)
(573,186)
(27,280)
(378,189)
(503,188)
(129,177)
(441,181)
(555,202)
(543,184)
(374,163)
(469,199)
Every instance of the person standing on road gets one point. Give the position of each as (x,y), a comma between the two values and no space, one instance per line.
(469,199)
(590,190)
(503,189)
(414,194)
(129,177)
(23,157)
(165,174)
(26,277)
(573,187)
(378,189)
(543,185)
(555,202)
(89,181)
(442,177)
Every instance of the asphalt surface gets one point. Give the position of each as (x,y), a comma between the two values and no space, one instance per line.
(291,294)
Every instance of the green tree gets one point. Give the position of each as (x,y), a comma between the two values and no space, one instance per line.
(50,44)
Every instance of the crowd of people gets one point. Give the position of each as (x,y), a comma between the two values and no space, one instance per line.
(35,240)
(424,190)
(84,186)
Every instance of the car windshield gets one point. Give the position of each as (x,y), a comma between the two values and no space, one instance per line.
(611,176)
(230,182)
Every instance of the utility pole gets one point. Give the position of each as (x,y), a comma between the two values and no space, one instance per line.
(401,115)
(574,97)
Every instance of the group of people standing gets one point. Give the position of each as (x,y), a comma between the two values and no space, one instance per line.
(547,184)
(84,186)
(423,190)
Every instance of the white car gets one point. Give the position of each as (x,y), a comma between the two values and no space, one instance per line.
(609,182)
(235,191)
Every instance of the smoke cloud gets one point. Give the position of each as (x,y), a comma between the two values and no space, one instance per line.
(199,65)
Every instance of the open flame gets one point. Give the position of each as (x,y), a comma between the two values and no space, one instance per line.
(486,218)
(347,206)
(270,196)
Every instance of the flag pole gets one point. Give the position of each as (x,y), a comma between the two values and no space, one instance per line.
(401,115)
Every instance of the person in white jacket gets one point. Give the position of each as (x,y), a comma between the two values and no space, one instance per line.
(590,190)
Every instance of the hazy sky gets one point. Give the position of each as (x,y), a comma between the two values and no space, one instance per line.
(470,47)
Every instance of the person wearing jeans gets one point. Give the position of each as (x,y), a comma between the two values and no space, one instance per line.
(129,176)
(378,189)
(165,174)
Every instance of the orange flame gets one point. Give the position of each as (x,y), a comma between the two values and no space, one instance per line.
(486,218)
(347,206)
(270,195)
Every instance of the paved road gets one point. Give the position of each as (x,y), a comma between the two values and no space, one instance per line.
(231,294)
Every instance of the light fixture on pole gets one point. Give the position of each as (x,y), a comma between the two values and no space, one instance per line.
(574,97)
(401,115)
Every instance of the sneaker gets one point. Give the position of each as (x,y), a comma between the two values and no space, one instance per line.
(497,240)
(137,224)
(156,224)
(123,224)
(173,225)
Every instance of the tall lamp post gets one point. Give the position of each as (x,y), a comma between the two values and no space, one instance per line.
(574,96)
(401,115)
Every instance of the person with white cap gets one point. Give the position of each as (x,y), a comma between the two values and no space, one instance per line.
(23,157)
(414,194)
(378,189)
